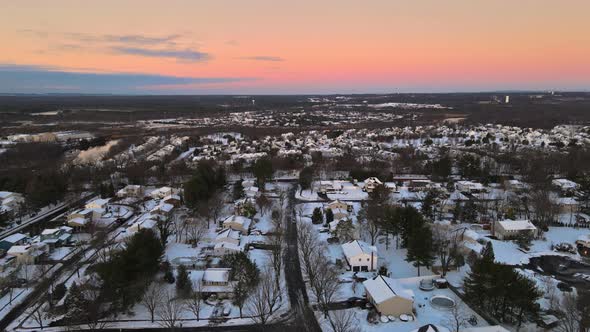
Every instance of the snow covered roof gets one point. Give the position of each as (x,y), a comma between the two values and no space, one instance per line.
(163,207)
(78,221)
(216,275)
(354,248)
(240,220)
(18,249)
(99,202)
(382,289)
(564,183)
(14,238)
(228,233)
(50,231)
(517,225)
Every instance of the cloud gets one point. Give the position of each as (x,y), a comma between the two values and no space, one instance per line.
(16,78)
(263,58)
(184,55)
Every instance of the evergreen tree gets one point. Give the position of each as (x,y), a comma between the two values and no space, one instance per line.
(238,190)
(305,178)
(317,217)
(329,215)
(183,282)
(421,248)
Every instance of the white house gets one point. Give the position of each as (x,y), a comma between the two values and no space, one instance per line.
(565,185)
(360,256)
(509,229)
(9,201)
(371,183)
(469,186)
(162,192)
(329,186)
(237,223)
(29,253)
(132,190)
(99,203)
(216,281)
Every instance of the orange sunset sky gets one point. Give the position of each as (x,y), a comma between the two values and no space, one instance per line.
(323,46)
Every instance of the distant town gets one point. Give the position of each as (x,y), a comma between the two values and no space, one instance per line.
(311,213)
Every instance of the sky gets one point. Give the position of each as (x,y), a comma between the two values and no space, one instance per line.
(293,47)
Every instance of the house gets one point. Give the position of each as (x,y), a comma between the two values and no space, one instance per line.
(388,296)
(583,244)
(360,256)
(162,192)
(514,185)
(141,224)
(216,281)
(13,240)
(82,217)
(97,204)
(509,229)
(567,204)
(228,236)
(371,183)
(172,200)
(565,185)
(419,184)
(131,190)
(338,204)
(456,197)
(28,254)
(237,223)
(469,187)
(327,187)
(251,192)
(339,209)
(163,210)
(9,201)
(56,237)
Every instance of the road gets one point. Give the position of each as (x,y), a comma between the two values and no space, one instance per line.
(48,215)
(41,289)
(304,315)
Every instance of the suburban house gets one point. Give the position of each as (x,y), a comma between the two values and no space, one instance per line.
(226,242)
(509,229)
(97,204)
(216,281)
(81,218)
(173,199)
(162,210)
(237,223)
(160,193)
(514,185)
(327,187)
(28,254)
(419,184)
(567,204)
(583,244)
(469,187)
(360,256)
(564,185)
(340,209)
(449,204)
(9,201)
(388,296)
(55,237)
(371,183)
(141,224)
(132,190)
(13,240)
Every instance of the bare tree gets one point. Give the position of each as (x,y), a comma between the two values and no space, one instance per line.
(38,314)
(152,299)
(263,204)
(325,282)
(169,311)
(445,244)
(194,302)
(571,316)
(457,317)
(550,292)
(308,246)
(343,321)
(265,299)
(196,230)
(216,205)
